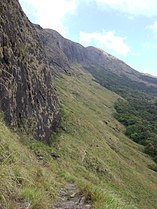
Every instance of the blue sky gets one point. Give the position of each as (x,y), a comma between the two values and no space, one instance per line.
(126,29)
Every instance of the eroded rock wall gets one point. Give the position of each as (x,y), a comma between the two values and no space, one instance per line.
(27,96)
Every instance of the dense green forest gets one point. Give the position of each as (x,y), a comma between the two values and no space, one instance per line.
(137,111)
(139,115)
(122,84)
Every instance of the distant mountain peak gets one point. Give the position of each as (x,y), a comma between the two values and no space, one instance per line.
(62,53)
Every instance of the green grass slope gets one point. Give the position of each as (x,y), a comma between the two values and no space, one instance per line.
(26,181)
(110,170)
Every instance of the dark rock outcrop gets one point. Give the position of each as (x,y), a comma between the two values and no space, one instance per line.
(54,53)
(63,55)
(27,96)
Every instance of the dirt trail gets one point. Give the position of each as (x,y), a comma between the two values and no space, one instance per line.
(70,198)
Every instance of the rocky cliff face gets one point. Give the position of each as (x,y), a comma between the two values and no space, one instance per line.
(63,53)
(27,96)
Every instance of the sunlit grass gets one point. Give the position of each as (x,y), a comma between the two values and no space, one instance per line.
(110,170)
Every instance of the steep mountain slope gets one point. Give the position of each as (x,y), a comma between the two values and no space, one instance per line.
(138,89)
(95,148)
(107,69)
(28,98)
(89,149)
(110,170)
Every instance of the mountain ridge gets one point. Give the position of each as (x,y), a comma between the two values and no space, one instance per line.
(72,52)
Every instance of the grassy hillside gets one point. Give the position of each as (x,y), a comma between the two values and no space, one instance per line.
(110,170)
(26,181)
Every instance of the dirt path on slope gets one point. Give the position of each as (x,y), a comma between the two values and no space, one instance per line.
(70,198)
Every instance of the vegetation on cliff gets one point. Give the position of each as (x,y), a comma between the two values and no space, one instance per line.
(109,169)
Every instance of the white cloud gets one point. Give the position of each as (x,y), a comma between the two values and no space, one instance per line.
(105,40)
(51,13)
(146,8)
(153,26)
